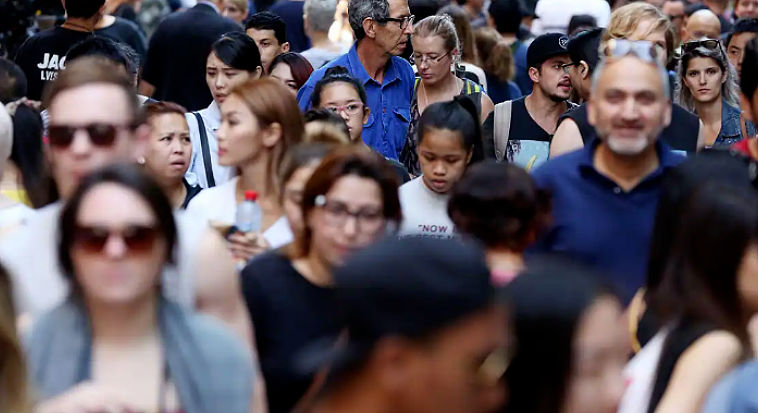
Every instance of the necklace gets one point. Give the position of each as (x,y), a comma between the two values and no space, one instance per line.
(423,90)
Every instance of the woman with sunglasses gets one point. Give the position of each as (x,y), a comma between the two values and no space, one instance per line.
(349,202)
(233,61)
(168,151)
(260,123)
(570,346)
(344,95)
(708,87)
(436,49)
(117,344)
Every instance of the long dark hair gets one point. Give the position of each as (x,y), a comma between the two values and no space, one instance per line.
(547,303)
(130,177)
(460,115)
(299,66)
(28,156)
(238,51)
(334,75)
(701,277)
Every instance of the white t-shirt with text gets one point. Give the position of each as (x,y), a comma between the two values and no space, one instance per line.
(424,212)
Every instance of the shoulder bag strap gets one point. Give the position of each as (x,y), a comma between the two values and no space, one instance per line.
(206,150)
(502,128)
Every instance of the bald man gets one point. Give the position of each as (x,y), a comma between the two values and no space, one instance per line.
(702,23)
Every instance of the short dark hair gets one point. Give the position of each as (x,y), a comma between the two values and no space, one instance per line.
(299,66)
(581,21)
(507,15)
(12,81)
(128,176)
(83,9)
(100,46)
(499,205)
(333,75)
(744,25)
(459,115)
(328,117)
(237,51)
(583,47)
(153,109)
(267,20)
(749,78)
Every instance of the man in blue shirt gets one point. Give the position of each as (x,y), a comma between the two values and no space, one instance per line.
(605,195)
(382,29)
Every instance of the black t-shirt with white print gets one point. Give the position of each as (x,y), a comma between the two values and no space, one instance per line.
(43,55)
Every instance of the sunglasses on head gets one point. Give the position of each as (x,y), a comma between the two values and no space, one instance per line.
(100,134)
(643,49)
(710,44)
(138,239)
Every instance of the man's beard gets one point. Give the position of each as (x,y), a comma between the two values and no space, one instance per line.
(627,146)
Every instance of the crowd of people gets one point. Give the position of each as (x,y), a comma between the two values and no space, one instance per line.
(463,207)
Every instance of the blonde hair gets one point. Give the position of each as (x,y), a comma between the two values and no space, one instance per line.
(495,53)
(625,21)
(14,391)
(240,4)
(442,26)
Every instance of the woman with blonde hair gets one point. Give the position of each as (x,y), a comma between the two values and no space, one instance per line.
(497,61)
(236,10)
(470,59)
(436,48)
(260,123)
(708,87)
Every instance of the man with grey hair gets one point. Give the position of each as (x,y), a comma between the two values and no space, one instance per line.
(318,17)
(382,30)
(605,195)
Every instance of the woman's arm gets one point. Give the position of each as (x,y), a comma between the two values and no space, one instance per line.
(698,369)
(567,138)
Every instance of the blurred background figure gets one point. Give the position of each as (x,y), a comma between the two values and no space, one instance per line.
(168,151)
(744,31)
(468,59)
(318,16)
(16,394)
(499,205)
(348,203)
(674,10)
(571,343)
(703,24)
(12,212)
(270,34)
(236,10)
(581,23)
(496,58)
(292,70)
(556,15)
(117,342)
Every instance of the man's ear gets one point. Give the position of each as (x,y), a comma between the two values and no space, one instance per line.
(534,74)
(286,47)
(584,69)
(369,27)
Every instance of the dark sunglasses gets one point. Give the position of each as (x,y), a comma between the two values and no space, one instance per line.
(710,44)
(138,239)
(100,134)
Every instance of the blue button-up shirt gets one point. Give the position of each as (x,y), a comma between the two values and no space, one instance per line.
(598,223)
(390,101)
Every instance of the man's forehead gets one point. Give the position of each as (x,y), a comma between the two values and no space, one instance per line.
(632,74)
(87,101)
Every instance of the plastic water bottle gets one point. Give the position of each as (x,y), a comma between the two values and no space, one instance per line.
(249,214)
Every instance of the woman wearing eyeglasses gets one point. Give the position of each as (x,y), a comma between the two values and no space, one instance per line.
(435,49)
(570,346)
(708,87)
(350,201)
(116,344)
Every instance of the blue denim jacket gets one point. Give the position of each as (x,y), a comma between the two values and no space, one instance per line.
(731,130)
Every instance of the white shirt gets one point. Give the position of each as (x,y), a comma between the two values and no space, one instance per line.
(424,212)
(15,214)
(30,255)
(196,172)
(219,205)
(555,15)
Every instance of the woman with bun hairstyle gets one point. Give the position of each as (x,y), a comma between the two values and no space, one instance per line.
(449,140)
(344,95)
(500,206)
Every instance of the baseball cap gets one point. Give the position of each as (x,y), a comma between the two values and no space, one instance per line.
(545,47)
(406,287)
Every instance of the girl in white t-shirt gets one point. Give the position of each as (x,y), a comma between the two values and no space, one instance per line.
(260,121)
(449,140)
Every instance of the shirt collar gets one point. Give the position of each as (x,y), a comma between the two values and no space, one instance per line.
(666,158)
(359,72)
(213,115)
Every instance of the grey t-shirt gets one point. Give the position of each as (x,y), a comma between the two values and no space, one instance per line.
(320,57)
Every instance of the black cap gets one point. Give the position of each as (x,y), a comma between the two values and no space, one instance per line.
(401,287)
(545,47)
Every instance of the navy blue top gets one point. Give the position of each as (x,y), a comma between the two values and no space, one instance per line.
(596,222)
(390,101)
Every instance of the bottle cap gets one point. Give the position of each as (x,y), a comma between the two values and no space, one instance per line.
(251,196)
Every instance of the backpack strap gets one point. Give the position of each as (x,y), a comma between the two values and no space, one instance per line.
(206,150)
(502,128)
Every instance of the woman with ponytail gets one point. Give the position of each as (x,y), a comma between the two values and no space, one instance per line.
(449,140)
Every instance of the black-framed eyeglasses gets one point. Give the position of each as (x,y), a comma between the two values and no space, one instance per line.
(710,44)
(403,21)
(418,58)
(337,215)
(643,49)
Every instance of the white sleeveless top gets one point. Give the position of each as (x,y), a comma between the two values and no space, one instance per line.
(30,254)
